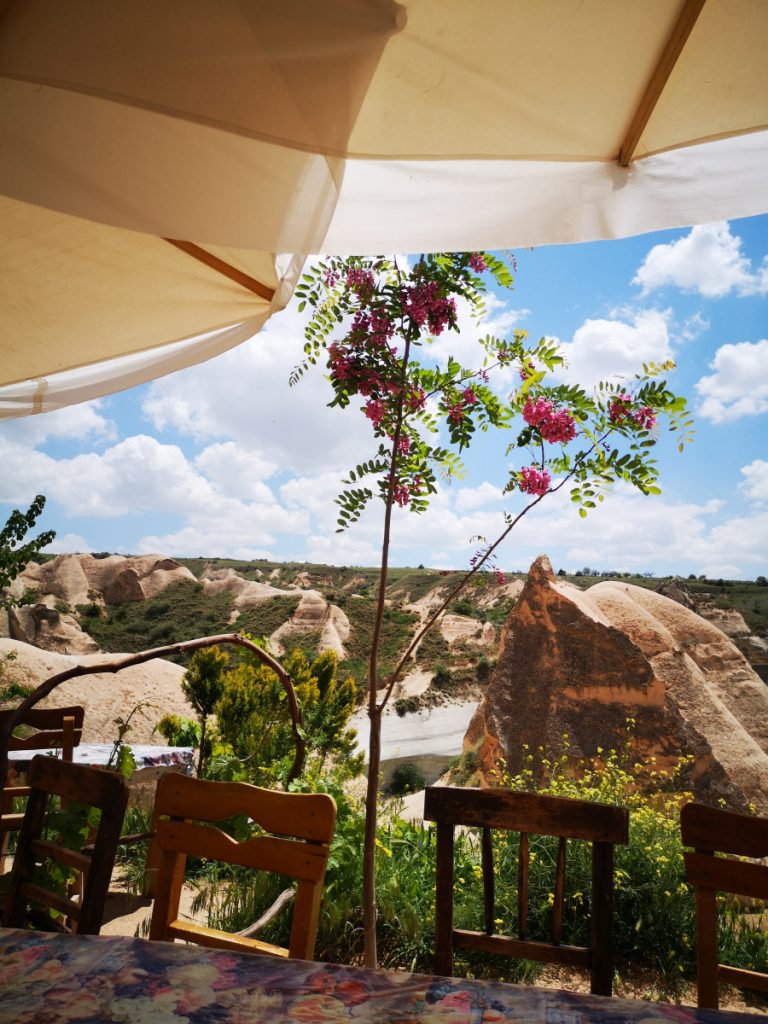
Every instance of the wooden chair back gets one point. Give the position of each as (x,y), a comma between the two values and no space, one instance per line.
(185,810)
(55,728)
(711,831)
(529,814)
(74,784)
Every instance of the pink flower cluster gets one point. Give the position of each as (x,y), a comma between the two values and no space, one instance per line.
(360,281)
(620,411)
(477,262)
(534,480)
(402,493)
(424,304)
(557,426)
(645,417)
(374,410)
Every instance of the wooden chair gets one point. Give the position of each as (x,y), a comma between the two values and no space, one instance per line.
(742,835)
(527,813)
(182,803)
(55,728)
(75,784)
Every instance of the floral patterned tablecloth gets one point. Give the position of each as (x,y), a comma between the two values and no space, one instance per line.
(52,979)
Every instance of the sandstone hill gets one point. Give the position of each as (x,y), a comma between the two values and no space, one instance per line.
(582,662)
(85,605)
(156,686)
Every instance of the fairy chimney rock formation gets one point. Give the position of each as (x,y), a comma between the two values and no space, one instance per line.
(582,662)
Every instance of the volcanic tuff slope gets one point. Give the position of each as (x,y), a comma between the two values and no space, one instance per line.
(582,662)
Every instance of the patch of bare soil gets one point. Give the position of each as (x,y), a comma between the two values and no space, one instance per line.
(635,983)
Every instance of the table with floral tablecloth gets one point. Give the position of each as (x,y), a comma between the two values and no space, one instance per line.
(48,979)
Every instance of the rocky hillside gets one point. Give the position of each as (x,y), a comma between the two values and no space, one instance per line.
(582,662)
(85,604)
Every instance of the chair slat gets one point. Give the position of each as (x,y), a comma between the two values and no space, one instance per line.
(185,812)
(711,831)
(96,787)
(506,945)
(600,824)
(489,894)
(527,812)
(559,894)
(727,875)
(709,828)
(523,863)
(264,853)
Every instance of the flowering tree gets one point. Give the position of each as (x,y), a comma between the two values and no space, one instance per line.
(370,321)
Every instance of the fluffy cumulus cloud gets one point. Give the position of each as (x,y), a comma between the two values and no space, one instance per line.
(230,529)
(244,396)
(616,348)
(236,473)
(470,498)
(755,482)
(739,385)
(630,532)
(83,422)
(708,260)
(67,544)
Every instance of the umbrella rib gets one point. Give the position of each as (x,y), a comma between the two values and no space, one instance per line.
(221,267)
(674,47)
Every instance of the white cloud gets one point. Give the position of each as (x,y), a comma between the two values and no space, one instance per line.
(75,423)
(139,474)
(236,473)
(244,396)
(708,260)
(231,529)
(69,543)
(470,498)
(755,482)
(603,349)
(739,385)
(694,326)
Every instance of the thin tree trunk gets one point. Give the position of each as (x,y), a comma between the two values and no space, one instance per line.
(201,755)
(369,843)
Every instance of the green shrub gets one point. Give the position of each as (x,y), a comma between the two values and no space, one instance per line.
(407,779)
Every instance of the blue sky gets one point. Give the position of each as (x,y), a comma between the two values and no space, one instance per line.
(224,459)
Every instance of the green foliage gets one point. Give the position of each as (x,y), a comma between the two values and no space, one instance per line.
(187,612)
(10,690)
(407,778)
(203,686)
(267,616)
(396,631)
(178,731)
(464,768)
(653,911)
(15,554)
(253,717)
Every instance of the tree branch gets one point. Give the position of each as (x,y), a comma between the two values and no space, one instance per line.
(115,665)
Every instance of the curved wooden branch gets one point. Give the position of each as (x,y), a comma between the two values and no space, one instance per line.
(116,664)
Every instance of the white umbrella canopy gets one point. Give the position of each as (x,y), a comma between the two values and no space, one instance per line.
(155,155)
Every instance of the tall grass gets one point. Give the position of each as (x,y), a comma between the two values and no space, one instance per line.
(653,907)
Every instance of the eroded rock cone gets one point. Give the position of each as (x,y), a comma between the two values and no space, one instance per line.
(582,662)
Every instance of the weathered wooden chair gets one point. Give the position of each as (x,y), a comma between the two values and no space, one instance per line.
(527,813)
(185,809)
(742,835)
(54,729)
(73,784)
